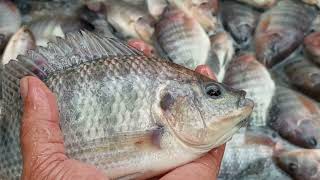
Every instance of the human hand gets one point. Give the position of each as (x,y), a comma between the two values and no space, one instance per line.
(43,149)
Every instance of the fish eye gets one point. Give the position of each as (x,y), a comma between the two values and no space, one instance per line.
(293,167)
(213,91)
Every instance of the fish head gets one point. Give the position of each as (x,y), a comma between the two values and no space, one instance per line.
(300,164)
(144,27)
(204,11)
(274,46)
(204,114)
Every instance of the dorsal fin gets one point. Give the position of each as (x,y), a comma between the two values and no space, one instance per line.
(76,48)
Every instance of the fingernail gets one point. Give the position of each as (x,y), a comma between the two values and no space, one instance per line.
(24,84)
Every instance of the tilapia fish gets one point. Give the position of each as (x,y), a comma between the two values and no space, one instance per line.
(245,72)
(301,164)
(248,156)
(240,20)
(19,43)
(182,38)
(312,47)
(263,4)
(121,111)
(295,117)
(304,75)
(281,30)
(10,20)
(130,20)
(221,53)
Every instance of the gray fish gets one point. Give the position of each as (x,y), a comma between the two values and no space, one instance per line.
(312,47)
(262,4)
(182,38)
(303,75)
(10,20)
(121,111)
(281,30)
(19,43)
(301,164)
(312,2)
(245,72)
(295,117)
(240,20)
(249,156)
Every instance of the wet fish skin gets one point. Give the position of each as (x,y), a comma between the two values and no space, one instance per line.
(10,20)
(176,34)
(102,86)
(300,164)
(19,43)
(245,72)
(248,156)
(295,117)
(304,75)
(312,2)
(263,4)
(312,47)
(221,53)
(240,20)
(130,20)
(281,30)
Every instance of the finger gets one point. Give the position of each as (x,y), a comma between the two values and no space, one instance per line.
(206,71)
(40,133)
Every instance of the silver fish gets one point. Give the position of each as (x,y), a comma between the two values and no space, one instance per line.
(295,117)
(262,4)
(221,53)
(240,20)
(129,20)
(248,156)
(301,164)
(245,72)
(312,47)
(182,38)
(19,43)
(10,20)
(281,30)
(121,111)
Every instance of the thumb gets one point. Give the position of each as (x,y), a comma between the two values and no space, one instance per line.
(42,145)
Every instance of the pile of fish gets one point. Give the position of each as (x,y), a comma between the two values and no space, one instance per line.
(116,61)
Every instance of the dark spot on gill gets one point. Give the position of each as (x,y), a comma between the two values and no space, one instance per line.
(166,101)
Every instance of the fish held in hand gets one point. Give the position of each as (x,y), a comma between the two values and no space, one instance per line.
(19,43)
(121,111)
(245,72)
(301,164)
(312,47)
(281,30)
(240,20)
(295,117)
(182,38)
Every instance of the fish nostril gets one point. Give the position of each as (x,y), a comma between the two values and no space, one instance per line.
(312,141)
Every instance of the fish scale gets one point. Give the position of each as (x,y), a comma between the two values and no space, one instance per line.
(121,111)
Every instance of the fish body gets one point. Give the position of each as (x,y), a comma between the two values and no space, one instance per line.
(261,4)
(249,156)
(240,20)
(312,47)
(127,114)
(182,38)
(10,20)
(303,75)
(130,21)
(312,2)
(245,72)
(295,117)
(281,30)
(19,43)
(221,53)
(301,164)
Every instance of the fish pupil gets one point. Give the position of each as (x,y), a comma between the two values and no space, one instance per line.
(213,91)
